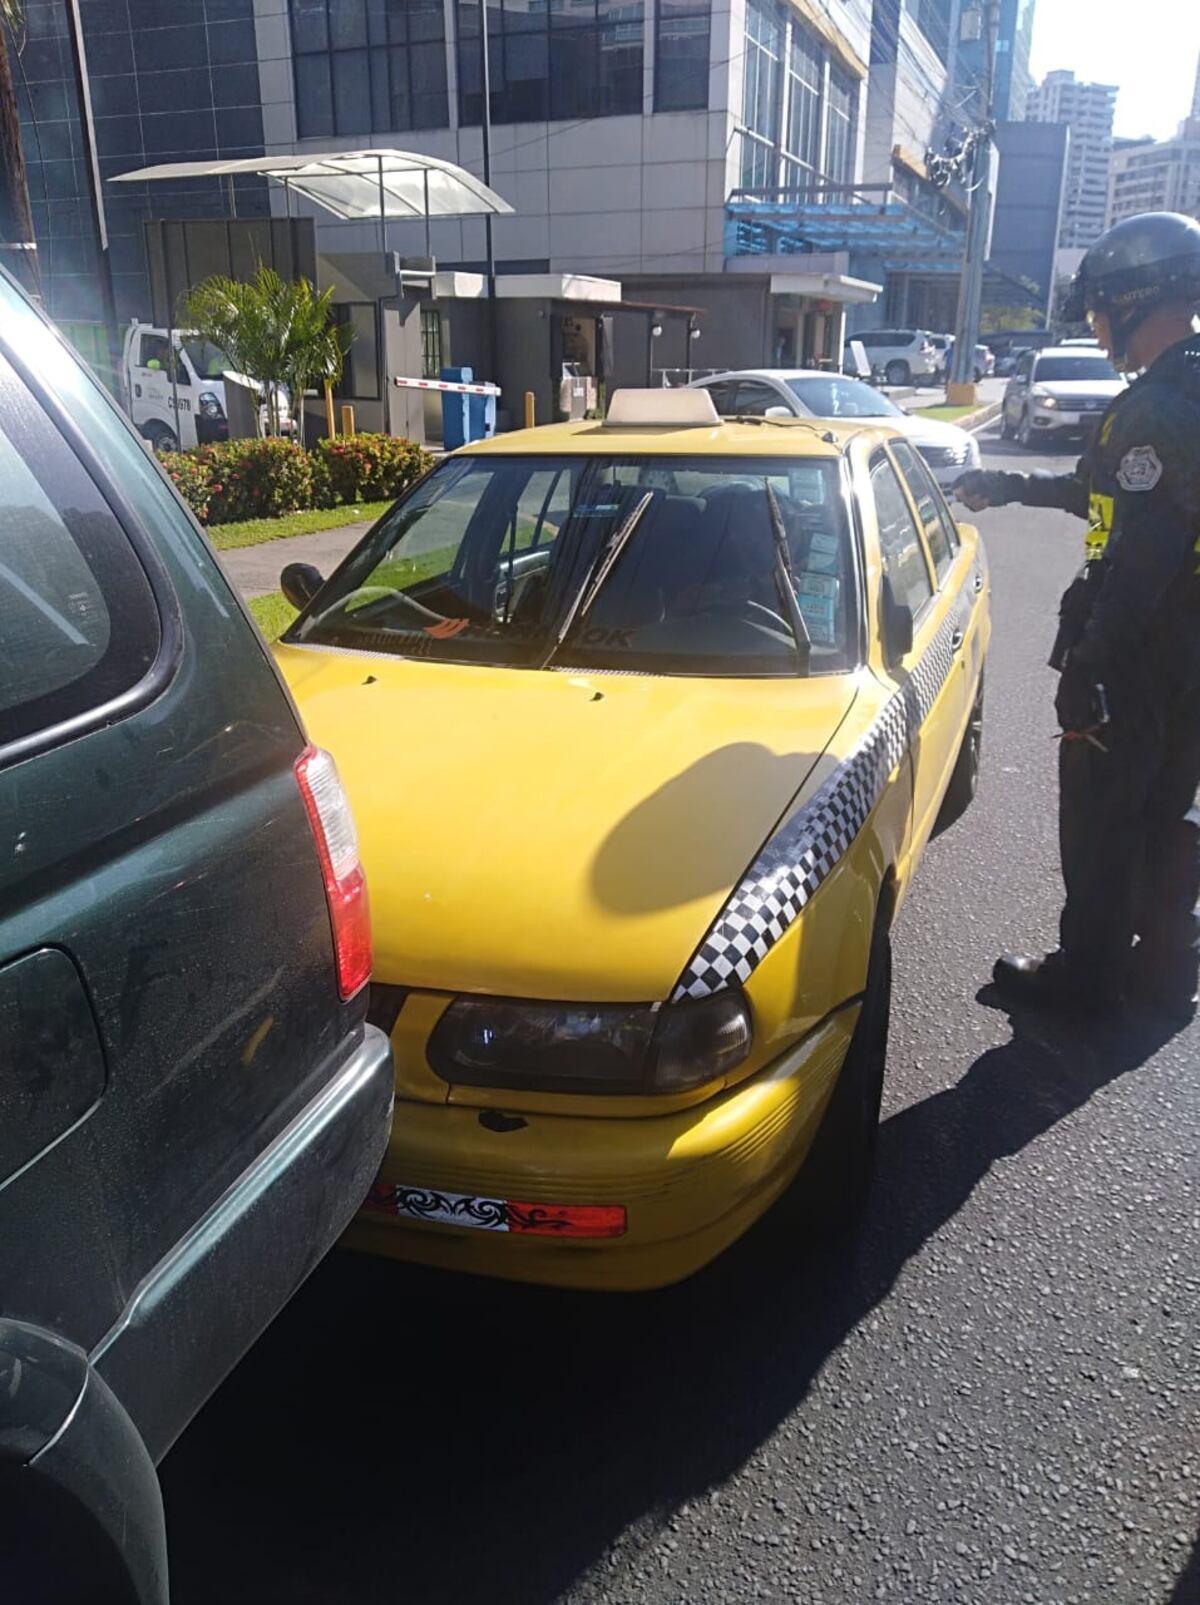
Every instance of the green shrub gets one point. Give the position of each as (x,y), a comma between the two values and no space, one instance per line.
(257,479)
(190,474)
(371,468)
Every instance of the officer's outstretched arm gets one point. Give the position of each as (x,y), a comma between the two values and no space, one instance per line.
(987,487)
(1156,516)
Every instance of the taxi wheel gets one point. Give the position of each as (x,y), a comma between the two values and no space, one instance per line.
(832,1186)
(964,779)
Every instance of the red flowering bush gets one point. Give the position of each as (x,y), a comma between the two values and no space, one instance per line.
(371,468)
(237,479)
(191,477)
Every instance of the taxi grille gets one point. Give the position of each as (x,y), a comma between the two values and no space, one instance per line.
(945,456)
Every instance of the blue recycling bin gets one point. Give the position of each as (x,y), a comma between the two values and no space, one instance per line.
(464,417)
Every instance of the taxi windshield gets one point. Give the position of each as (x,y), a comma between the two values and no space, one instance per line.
(665,565)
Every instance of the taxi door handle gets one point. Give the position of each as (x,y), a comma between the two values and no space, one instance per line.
(956,640)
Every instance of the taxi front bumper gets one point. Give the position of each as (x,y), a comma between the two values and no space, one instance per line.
(593,1201)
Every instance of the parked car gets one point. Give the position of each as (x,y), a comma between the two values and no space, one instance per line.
(180,400)
(810,393)
(1008,342)
(985,360)
(646,726)
(1057,393)
(902,356)
(193,1103)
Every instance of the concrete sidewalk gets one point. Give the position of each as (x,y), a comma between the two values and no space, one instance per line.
(989,391)
(255,569)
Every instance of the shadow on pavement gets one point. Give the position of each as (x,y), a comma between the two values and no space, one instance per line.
(404,1436)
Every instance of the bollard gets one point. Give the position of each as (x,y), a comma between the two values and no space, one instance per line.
(347,420)
(330,419)
(530,409)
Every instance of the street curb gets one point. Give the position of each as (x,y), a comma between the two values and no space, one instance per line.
(975,421)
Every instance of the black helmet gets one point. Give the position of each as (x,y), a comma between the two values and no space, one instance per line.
(1134,267)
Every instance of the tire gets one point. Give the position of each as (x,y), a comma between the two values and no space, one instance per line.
(832,1187)
(161,437)
(1025,432)
(964,778)
(1006,429)
(898,373)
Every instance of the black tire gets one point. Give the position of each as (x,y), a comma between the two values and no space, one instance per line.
(964,778)
(1006,429)
(831,1189)
(161,437)
(898,373)
(1025,432)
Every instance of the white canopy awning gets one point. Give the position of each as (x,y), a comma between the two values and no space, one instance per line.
(355,185)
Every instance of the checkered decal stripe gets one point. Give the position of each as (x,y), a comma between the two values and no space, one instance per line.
(787,873)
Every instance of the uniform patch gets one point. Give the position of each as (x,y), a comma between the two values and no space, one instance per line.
(1140,469)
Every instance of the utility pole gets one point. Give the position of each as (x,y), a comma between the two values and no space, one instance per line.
(486,128)
(87,130)
(961,389)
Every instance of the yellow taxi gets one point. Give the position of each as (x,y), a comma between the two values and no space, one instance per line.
(646,724)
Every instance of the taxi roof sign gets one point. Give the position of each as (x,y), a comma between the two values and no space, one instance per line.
(673,409)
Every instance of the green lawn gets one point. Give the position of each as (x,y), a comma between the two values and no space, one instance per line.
(946,415)
(273,613)
(253,531)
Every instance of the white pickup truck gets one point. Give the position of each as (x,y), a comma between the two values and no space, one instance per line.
(186,407)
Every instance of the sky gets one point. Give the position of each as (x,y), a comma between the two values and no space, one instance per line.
(1147,47)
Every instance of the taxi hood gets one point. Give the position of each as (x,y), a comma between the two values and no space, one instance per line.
(556,835)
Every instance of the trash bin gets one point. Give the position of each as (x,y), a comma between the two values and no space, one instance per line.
(465,417)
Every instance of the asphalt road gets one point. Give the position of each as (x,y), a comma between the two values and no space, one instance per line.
(993,1399)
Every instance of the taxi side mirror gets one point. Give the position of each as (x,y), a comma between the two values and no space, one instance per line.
(897,622)
(299,583)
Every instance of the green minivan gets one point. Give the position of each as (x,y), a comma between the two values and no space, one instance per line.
(192,1100)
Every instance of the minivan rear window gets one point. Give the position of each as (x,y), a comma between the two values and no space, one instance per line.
(78,621)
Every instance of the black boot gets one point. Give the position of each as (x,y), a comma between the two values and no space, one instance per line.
(1050,983)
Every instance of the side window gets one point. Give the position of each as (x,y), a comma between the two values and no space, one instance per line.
(722,397)
(78,621)
(754,399)
(940,535)
(1025,366)
(899,543)
(154,352)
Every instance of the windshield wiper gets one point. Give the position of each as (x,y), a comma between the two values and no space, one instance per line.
(597,575)
(785,582)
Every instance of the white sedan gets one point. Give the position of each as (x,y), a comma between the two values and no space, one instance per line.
(812,393)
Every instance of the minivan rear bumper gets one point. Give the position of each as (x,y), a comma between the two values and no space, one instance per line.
(198,1311)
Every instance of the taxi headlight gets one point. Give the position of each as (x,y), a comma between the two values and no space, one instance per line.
(581,1047)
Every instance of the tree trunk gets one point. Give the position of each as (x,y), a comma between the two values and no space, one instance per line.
(16,221)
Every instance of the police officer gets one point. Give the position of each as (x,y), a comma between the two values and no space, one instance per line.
(1128,647)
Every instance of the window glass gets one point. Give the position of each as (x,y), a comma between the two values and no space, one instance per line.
(840,139)
(831,396)
(805,75)
(368,66)
(580,61)
(723,394)
(511,561)
(1095,368)
(899,543)
(761,93)
(940,535)
(360,370)
(78,623)
(753,399)
(681,55)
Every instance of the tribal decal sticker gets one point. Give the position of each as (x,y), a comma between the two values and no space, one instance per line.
(791,867)
(497,1214)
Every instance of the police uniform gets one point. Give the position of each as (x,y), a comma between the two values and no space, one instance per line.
(1129,694)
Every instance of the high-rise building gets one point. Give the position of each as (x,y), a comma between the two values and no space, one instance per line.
(1162,175)
(1087,110)
(1196,93)
(1013,79)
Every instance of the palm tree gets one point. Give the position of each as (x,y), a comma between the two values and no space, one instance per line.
(276,331)
(16,220)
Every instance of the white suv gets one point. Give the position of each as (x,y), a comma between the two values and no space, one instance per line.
(901,355)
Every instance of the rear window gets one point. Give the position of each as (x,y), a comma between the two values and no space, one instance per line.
(666,565)
(78,621)
(1096,369)
(831,396)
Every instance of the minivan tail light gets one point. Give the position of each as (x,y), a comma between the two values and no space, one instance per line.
(341,869)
